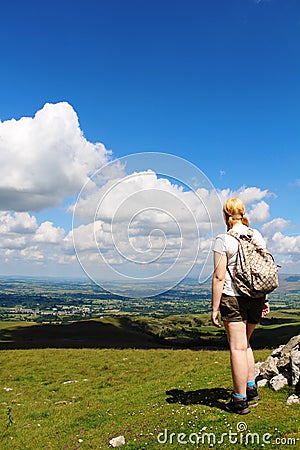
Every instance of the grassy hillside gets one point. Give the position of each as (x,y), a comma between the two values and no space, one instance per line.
(59,399)
(74,386)
(178,331)
(105,333)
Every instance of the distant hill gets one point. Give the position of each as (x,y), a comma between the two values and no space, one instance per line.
(288,282)
(292,278)
(177,332)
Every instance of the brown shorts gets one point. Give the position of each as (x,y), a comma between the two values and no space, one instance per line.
(238,309)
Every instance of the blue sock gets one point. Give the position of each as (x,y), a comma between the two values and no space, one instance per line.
(251,383)
(243,396)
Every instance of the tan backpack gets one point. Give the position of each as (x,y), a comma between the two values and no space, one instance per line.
(256,272)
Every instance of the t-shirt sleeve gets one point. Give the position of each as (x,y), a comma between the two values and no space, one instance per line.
(258,237)
(220,246)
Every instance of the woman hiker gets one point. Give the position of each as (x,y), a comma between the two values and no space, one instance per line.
(239,314)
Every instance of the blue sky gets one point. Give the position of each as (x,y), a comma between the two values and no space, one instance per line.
(215,82)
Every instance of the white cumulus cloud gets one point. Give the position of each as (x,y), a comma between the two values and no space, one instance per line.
(278,224)
(45,158)
(17,223)
(252,194)
(22,238)
(260,212)
(286,244)
(48,233)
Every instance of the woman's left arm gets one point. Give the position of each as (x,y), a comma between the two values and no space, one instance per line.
(266,309)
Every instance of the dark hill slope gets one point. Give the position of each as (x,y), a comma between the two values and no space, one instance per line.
(88,334)
(124,332)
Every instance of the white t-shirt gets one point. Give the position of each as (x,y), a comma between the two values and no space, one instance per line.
(228,245)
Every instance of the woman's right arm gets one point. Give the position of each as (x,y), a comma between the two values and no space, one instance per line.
(220,263)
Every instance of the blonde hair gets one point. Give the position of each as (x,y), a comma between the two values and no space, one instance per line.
(234,210)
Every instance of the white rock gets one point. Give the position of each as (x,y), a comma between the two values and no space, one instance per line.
(257,368)
(269,368)
(293,399)
(278,382)
(117,441)
(277,351)
(295,364)
(292,344)
(262,383)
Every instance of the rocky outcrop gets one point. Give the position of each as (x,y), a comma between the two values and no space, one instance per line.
(282,368)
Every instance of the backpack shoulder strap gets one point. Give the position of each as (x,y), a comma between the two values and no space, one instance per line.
(238,236)
(234,234)
(250,232)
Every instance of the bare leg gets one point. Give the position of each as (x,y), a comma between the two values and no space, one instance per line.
(251,363)
(238,344)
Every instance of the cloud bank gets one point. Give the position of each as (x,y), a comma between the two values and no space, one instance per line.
(46,159)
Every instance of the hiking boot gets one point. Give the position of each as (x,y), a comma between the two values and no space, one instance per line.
(252,393)
(237,405)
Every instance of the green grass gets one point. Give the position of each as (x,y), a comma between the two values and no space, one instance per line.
(15,324)
(123,392)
